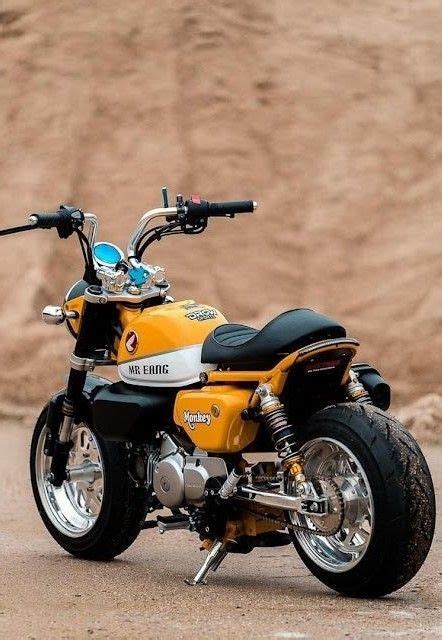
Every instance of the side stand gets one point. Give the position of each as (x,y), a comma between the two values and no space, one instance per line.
(214,558)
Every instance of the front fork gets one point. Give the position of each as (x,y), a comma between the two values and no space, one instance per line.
(62,445)
(64,409)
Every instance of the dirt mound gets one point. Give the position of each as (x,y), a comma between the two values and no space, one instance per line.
(330,117)
(424,418)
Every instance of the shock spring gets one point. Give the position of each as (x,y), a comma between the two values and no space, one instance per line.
(281,431)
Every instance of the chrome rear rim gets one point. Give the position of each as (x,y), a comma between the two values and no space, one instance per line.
(74,507)
(328,458)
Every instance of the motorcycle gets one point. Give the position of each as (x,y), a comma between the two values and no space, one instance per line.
(249,438)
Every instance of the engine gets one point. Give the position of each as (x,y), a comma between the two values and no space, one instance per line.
(179,478)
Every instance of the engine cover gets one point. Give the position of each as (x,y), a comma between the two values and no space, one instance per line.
(180,479)
(168,480)
(197,471)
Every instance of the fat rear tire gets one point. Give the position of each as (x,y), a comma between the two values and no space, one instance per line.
(123,509)
(403,494)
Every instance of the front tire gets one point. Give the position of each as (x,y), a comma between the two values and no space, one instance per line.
(392,483)
(96,519)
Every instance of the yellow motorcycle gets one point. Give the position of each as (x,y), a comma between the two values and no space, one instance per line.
(250,438)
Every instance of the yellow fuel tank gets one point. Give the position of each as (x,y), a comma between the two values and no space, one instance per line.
(161,346)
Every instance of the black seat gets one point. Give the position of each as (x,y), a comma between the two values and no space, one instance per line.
(238,343)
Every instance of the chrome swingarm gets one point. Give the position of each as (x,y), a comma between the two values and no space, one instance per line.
(304,504)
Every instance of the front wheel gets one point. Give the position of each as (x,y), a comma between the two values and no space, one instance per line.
(380,524)
(99,512)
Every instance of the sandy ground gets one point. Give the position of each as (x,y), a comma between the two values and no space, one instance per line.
(44,593)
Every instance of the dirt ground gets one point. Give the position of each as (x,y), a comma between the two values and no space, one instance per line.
(44,593)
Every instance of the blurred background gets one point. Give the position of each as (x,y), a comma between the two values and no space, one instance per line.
(329,114)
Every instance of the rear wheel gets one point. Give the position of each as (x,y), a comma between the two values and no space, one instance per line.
(99,512)
(382,514)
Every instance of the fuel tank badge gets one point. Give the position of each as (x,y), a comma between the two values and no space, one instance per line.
(131,342)
(202,314)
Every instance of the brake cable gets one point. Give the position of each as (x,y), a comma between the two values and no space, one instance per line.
(11,230)
(86,249)
(156,233)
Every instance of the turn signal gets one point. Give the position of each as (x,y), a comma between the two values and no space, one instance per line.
(55,315)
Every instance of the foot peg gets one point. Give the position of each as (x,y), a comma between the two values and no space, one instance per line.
(214,558)
(170,523)
(167,523)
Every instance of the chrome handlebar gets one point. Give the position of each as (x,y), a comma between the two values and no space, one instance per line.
(152,214)
(92,231)
(194,211)
(162,212)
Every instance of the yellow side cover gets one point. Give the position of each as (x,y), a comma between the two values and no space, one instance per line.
(211,417)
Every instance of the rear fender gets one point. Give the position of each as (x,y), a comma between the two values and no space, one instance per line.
(317,378)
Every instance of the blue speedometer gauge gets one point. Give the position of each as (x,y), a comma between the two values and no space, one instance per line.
(107,254)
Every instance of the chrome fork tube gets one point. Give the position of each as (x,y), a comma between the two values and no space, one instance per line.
(66,428)
(92,221)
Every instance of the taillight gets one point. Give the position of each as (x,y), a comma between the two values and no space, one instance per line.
(322,365)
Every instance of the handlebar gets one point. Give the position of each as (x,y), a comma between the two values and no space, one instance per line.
(197,208)
(191,216)
(190,212)
(66,220)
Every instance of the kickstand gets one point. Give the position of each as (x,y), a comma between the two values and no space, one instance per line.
(214,558)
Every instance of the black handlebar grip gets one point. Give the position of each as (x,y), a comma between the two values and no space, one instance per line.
(231,208)
(45,220)
(65,220)
(197,208)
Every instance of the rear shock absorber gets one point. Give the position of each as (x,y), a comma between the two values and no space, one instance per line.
(281,431)
(356,390)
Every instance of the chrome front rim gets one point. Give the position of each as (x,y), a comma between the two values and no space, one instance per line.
(74,507)
(328,458)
